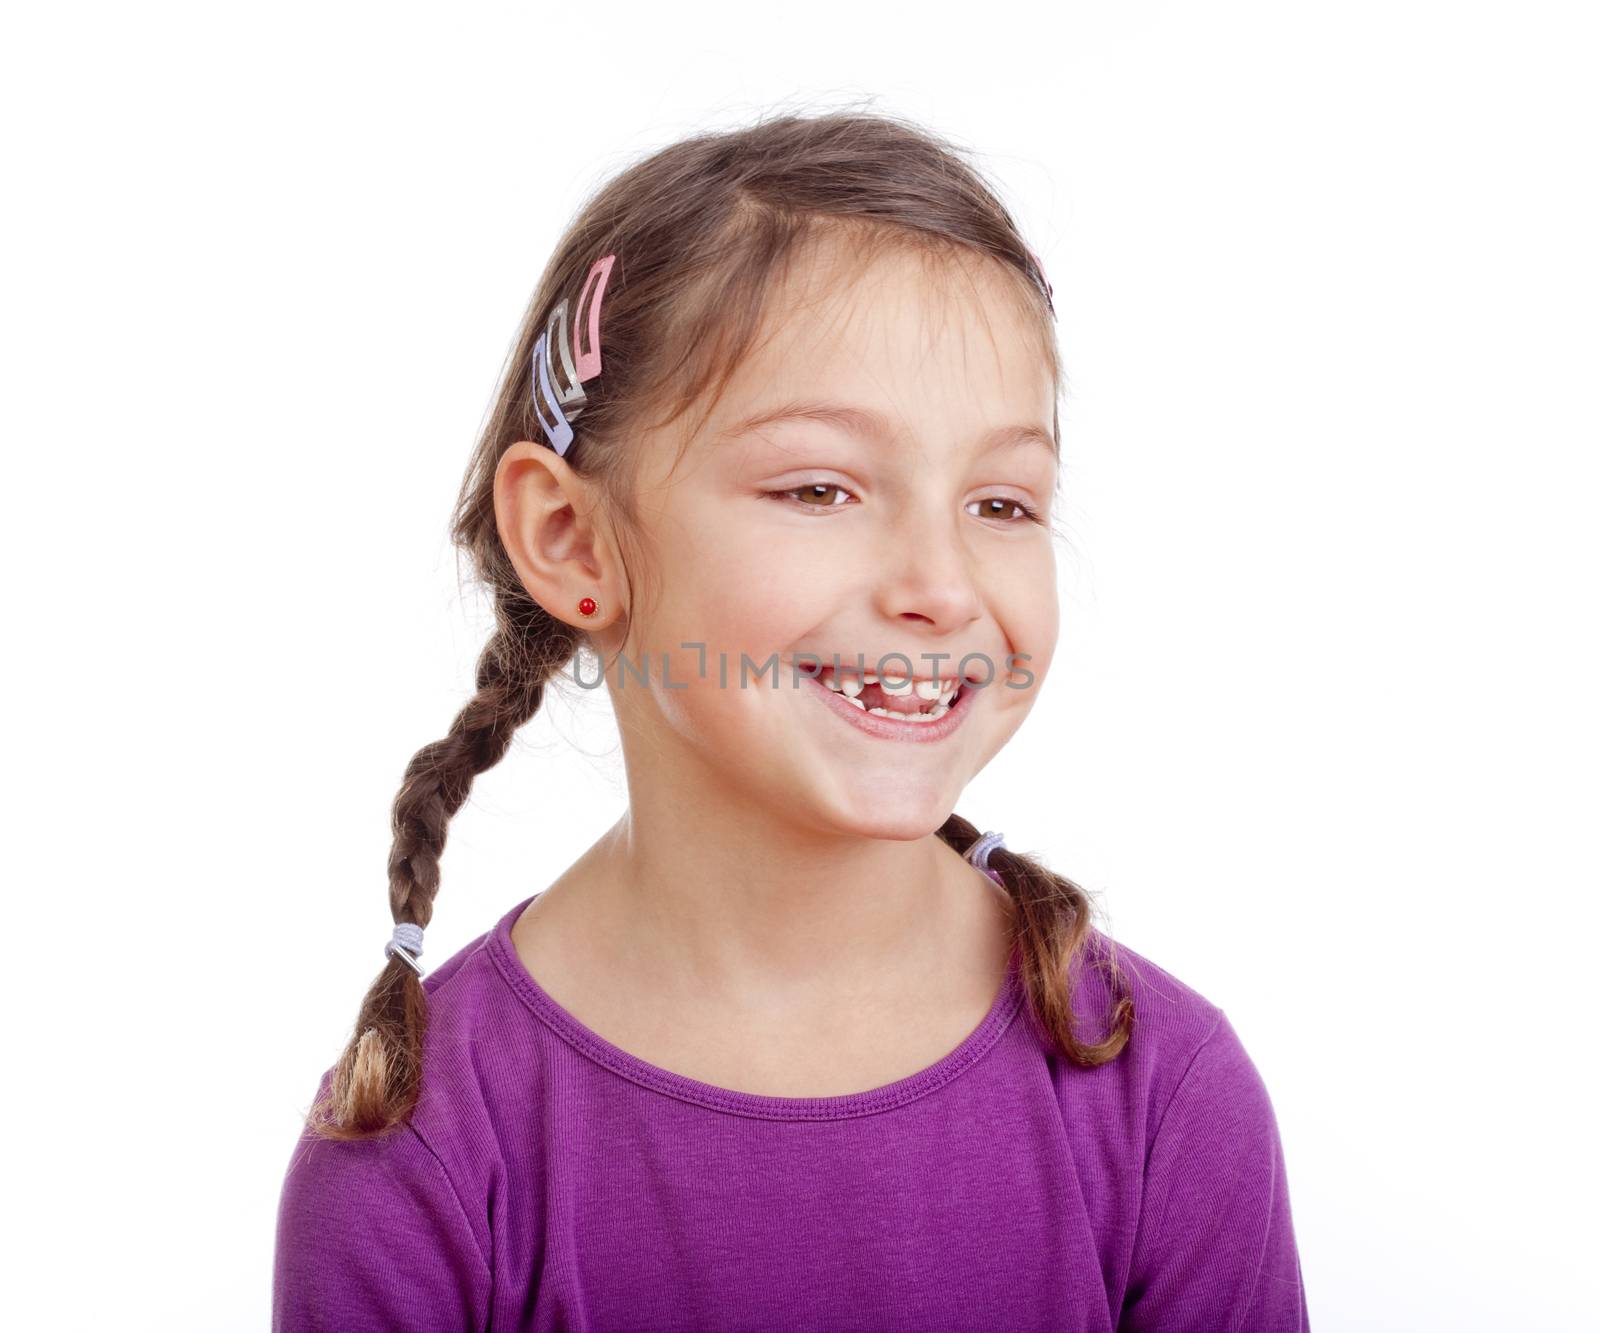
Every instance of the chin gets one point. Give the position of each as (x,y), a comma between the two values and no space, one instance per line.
(898,821)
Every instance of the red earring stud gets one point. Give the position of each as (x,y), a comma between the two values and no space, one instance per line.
(588,606)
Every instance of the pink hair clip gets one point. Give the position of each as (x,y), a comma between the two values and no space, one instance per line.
(565,398)
(1049,291)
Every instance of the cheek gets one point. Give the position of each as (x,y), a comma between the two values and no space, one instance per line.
(730,615)
(1046,634)
(740,590)
(1032,623)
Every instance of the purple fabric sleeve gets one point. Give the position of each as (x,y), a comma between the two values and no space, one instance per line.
(371,1236)
(1216,1248)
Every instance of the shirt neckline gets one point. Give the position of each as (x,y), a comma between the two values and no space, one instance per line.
(870,1102)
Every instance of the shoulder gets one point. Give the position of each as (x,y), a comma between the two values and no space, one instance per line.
(1185,1071)
(1215,1234)
(393,1230)
(1179,1039)
(480,1063)
(480,1069)
(1165,1001)
(1172,1020)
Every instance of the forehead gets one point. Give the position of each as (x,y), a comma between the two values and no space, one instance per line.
(931,340)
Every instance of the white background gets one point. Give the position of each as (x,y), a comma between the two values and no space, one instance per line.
(1322,734)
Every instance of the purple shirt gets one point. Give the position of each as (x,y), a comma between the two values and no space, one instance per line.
(551,1181)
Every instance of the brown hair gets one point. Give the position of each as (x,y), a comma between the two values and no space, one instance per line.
(702,231)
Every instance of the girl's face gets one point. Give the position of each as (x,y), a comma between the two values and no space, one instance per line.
(892,519)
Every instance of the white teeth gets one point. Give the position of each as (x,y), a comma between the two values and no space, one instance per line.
(849,686)
(937,711)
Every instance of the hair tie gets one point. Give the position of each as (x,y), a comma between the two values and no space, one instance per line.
(406,943)
(978,854)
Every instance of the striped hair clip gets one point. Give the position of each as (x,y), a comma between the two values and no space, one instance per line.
(557,400)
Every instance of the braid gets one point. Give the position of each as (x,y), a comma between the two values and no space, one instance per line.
(378,1078)
(440,775)
(1052,924)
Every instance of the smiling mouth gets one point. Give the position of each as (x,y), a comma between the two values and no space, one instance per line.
(900,698)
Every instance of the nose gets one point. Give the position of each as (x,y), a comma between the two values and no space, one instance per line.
(927,576)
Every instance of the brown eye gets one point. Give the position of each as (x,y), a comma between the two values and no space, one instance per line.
(815,496)
(1001,507)
(818,494)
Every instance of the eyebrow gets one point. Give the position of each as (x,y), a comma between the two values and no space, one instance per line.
(874,426)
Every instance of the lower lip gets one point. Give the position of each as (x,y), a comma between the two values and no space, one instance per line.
(886,728)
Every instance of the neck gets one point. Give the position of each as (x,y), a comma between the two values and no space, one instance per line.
(714,899)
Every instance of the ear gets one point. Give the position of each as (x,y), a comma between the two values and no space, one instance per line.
(551,527)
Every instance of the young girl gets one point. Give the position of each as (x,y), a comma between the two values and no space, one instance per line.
(790,1046)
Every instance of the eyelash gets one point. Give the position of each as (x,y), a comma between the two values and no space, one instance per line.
(1029,513)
